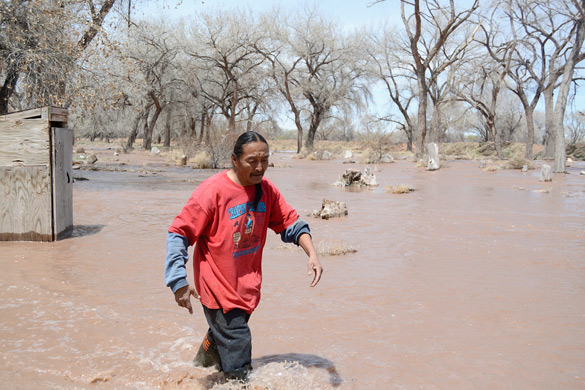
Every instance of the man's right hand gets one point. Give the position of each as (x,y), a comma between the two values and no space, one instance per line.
(183,297)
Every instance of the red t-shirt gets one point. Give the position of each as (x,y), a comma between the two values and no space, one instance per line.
(230,236)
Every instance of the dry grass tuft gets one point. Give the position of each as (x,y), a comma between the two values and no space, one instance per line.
(314,154)
(335,248)
(422,163)
(492,168)
(202,160)
(518,163)
(400,189)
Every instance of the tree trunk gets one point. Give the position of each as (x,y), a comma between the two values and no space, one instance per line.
(202,127)
(250,121)
(496,137)
(232,111)
(529,113)
(95,25)
(299,126)
(550,133)
(167,141)
(409,140)
(421,131)
(299,133)
(209,117)
(563,96)
(8,88)
(193,128)
(435,132)
(134,132)
(148,135)
(315,122)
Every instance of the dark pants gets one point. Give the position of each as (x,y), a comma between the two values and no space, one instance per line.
(233,338)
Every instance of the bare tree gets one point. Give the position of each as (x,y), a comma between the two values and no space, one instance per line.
(316,71)
(510,116)
(576,127)
(445,21)
(153,54)
(481,90)
(551,40)
(226,47)
(387,64)
(574,57)
(486,76)
(40,44)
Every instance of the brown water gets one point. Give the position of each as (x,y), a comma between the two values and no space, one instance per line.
(475,280)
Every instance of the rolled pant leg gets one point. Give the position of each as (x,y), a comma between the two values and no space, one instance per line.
(232,337)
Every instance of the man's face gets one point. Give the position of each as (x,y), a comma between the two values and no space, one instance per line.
(252,163)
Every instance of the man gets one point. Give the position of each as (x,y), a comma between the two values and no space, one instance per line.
(227,218)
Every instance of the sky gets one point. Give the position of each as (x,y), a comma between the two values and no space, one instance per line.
(350,14)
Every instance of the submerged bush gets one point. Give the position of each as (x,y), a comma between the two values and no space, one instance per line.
(518,163)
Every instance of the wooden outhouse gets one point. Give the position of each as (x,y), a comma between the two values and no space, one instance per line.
(36,186)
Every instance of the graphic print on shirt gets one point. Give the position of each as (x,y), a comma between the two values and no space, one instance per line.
(246,240)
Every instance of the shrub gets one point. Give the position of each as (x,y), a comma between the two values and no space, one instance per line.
(202,160)
(577,151)
(518,163)
(492,168)
(377,147)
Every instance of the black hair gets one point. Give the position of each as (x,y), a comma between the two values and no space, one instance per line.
(244,139)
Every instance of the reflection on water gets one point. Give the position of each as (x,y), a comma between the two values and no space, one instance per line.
(467,257)
(85,230)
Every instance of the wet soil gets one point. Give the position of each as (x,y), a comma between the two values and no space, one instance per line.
(474,280)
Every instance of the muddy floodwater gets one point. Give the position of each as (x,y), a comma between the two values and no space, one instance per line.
(476,280)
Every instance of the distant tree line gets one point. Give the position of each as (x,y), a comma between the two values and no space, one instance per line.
(447,72)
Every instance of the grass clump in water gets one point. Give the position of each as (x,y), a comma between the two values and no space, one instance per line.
(325,248)
(518,163)
(400,189)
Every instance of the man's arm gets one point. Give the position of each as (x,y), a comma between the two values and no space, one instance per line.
(176,272)
(299,233)
(313,265)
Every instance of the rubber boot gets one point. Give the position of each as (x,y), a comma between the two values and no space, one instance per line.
(208,356)
(239,374)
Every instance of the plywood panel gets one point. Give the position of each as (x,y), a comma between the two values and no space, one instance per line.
(55,114)
(25,210)
(25,141)
(62,181)
(34,113)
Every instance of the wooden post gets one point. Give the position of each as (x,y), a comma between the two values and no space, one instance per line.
(35,175)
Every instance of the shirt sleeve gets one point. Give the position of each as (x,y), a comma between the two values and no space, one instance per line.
(294,231)
(175,261)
